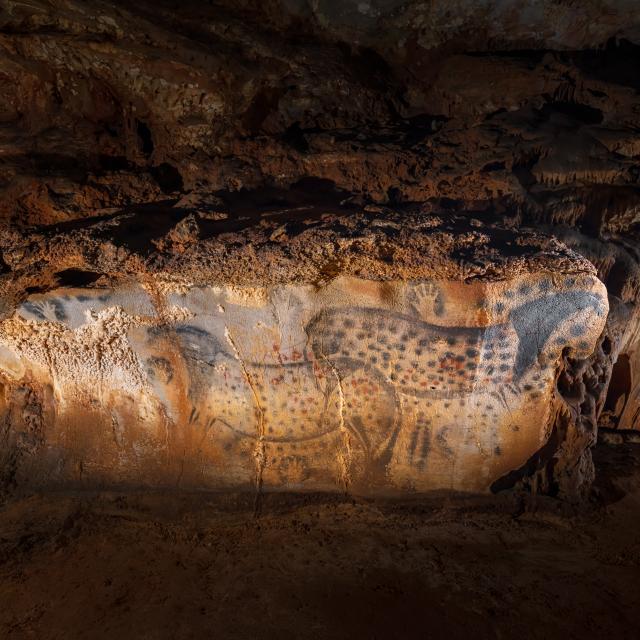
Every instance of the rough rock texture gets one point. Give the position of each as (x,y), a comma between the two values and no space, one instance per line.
(429,362)
(170,148)
(180,565)
(106,104)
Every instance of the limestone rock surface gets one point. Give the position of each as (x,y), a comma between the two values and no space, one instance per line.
(185,186)
(434,370)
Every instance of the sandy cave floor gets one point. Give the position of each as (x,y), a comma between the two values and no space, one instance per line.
(189,565)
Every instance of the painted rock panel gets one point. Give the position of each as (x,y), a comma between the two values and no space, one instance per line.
(360,385)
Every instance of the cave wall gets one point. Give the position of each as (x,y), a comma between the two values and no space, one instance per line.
(139,139)
(361,385)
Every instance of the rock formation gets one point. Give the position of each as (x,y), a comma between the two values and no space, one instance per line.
(380,247)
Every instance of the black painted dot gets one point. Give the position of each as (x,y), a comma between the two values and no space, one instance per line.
(545,286)
(578,330)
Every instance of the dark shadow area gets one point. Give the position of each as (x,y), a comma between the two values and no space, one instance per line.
(180,563)
(617,466)
(144,135)
(298,206)
(617,62)
(77,278)
(620,384)
(168,178)
(581,113)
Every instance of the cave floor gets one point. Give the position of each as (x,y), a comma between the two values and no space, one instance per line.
(191,565)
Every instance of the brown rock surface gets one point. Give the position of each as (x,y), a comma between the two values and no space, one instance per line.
(183,565)
(319,318)
(168,148)
(389,354)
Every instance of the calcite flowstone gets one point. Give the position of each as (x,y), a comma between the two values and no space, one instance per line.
(356,382)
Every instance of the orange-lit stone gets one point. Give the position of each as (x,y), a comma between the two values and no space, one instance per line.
(410,386)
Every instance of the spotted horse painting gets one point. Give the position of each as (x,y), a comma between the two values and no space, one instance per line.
(366,386)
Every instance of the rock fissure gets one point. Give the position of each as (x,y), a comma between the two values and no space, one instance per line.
(259,453)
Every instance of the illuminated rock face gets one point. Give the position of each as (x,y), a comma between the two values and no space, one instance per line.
(359,385)
(308,166)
